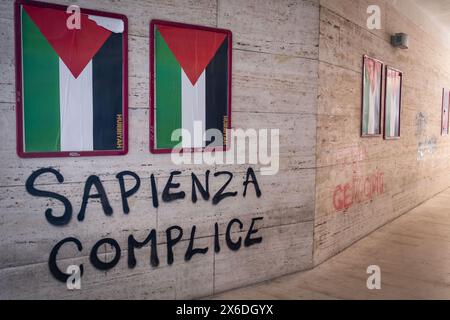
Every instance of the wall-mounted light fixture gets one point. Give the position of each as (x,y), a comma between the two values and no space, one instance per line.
(400,40)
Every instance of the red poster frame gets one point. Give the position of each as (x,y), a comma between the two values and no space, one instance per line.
(400,103)
(362,135)
(19,106)
(444,91)
(153,23)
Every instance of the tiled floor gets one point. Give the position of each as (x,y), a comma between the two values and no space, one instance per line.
(413,253)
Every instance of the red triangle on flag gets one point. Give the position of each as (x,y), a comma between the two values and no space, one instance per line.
(75,47)
(193,48)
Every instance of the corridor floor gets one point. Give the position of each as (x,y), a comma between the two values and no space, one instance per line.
(413,253)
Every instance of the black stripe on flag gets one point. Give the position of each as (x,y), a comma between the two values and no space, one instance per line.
(217,90)
(107,95)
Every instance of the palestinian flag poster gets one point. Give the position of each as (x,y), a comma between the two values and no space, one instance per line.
(71,81)
(190,68)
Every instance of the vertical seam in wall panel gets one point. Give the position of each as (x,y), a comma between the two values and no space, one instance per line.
(214,251)
(214,273)
(217,13)
(317,139)
(156,183)
(215,169)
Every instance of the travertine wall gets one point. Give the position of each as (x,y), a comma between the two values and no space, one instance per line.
(275,70)
(409,170)
(296,67)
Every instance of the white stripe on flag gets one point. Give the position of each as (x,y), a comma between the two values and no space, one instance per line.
(193,109)
(76,109)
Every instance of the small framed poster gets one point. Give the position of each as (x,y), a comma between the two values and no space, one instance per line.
(190,87)
(392,103)
(71,80)
(371,97)
(444,114)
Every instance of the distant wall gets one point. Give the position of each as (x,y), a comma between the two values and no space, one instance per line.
(407,171)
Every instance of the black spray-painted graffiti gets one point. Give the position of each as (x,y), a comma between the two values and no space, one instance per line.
(173,234)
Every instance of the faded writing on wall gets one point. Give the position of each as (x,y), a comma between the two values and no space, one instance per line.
(425,145)
(352,156)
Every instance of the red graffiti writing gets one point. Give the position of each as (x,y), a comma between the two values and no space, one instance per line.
(361,188)
(351,157)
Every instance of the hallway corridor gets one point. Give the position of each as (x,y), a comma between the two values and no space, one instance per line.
(413,253)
